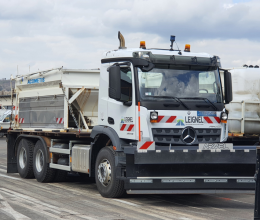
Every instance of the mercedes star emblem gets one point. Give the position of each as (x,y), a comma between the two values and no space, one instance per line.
(188,135)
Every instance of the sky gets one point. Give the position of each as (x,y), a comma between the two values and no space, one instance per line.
(44,34)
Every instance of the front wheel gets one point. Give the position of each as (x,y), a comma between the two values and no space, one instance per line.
(105,174)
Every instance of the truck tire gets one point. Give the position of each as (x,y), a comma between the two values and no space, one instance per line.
(42,172)
(25,158)
(105,174)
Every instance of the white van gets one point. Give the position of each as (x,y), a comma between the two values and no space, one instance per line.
(5,117)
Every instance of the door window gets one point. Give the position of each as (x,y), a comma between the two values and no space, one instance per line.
(126,84)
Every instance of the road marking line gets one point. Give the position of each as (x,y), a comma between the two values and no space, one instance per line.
(228,199)
(2,170)
(40,206)
(128,203)
(10,177)
(8,209)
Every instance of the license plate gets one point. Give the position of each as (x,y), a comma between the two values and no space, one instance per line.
(216,146)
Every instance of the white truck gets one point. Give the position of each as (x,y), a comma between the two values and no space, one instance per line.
(148,121)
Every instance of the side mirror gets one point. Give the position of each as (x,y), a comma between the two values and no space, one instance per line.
(228,87)
(114,90)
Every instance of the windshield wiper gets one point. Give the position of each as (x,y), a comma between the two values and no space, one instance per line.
(201,98)
(171,97)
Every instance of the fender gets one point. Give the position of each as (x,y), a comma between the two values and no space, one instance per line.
(110,132)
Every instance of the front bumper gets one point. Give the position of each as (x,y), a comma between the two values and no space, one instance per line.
(189,170)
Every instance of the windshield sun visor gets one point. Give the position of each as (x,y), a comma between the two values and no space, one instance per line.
(179,60)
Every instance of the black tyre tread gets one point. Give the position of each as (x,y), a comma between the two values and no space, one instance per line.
(29,174)
(118,189)
(60,176)
(49,175)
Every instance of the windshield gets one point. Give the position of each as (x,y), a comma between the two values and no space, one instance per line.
(180,82)
(2,117)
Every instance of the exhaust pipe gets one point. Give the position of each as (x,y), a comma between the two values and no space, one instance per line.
(121,41)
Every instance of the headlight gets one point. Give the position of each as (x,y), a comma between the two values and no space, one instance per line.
(153,117)
(224,116)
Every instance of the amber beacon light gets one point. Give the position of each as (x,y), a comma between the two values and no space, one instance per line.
(187,48)
(142,45)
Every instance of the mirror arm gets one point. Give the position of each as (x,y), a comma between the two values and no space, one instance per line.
(128,103)
(119,64)
(148,68)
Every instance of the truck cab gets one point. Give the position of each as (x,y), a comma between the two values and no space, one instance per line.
(166,98)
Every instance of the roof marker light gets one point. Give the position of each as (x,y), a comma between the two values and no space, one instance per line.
(187,48)
(142,45)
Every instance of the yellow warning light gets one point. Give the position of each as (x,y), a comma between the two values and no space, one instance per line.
(50,155)
(142,45)
(114,147)
(187,48)
(70,159)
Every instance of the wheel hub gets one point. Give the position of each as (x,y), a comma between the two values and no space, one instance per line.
(22,158)
(39,160)
(104,172)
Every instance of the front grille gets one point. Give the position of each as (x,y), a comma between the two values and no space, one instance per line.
(166,136)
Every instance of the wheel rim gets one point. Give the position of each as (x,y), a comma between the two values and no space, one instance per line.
(22,158)
(104,172)
(39,160)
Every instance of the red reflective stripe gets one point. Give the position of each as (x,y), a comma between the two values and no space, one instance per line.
(171,119)
(130,128)
(208,120)
(146,145)
(123,127)
(217,119)
(60,121)
(160,118)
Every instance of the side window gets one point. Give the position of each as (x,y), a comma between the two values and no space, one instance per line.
(7,118)
(126,84)
(207,82)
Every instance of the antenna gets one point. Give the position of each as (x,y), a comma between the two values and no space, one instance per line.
(172,39)
(178,49)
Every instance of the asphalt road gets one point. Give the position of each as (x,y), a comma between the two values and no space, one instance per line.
(78,199)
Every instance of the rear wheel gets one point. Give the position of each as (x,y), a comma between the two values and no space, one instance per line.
(25,158)
(105,173)
(43,173)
